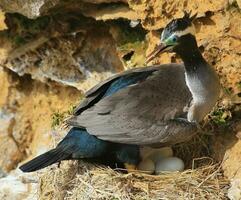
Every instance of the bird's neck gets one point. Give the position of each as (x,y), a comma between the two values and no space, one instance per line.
(193,60)
(190,54)
(201,80)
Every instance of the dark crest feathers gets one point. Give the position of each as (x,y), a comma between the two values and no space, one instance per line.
(179,24)
(187,16)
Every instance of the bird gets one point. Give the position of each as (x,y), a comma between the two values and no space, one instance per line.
(159,105)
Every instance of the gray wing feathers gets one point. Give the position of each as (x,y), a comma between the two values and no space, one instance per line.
(83,104)
(96,92)
(141,114)
(134,70)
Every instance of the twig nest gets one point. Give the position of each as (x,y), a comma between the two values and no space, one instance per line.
(146,166)
(170,164)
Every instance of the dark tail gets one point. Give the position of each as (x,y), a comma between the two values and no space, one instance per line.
(44,160)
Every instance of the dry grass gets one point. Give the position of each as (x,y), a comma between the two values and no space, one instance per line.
(84,181)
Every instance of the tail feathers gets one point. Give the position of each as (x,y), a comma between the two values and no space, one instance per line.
(44,160)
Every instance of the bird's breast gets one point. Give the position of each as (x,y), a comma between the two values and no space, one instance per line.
(205,89)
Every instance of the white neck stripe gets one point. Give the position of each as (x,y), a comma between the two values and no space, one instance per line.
(188,30)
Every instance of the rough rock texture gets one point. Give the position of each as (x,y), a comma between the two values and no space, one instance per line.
(29,8)
(27,108)
(52,51)
(59,56)
(18,186)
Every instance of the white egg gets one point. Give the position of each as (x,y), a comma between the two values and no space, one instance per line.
(146,166)
(170,164)
(148,152)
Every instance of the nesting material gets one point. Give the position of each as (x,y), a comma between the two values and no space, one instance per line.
(83,181)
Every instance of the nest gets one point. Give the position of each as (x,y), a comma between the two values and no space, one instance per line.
(84,181)
(80,180)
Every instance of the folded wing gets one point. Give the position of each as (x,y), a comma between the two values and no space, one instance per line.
(145,111)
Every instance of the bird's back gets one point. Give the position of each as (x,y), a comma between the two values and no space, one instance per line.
(142,112)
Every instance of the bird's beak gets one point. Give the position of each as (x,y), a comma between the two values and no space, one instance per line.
(160,48)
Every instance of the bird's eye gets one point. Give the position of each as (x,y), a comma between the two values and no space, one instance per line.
(174,38)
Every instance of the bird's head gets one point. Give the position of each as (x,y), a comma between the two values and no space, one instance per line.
(174,35)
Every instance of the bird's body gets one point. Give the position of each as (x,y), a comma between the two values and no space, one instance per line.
(154,106)
(146,111)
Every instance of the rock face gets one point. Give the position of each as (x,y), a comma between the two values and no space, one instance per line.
(27,108)
(53,51)
(63,57)
(29,8)
(18,186)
